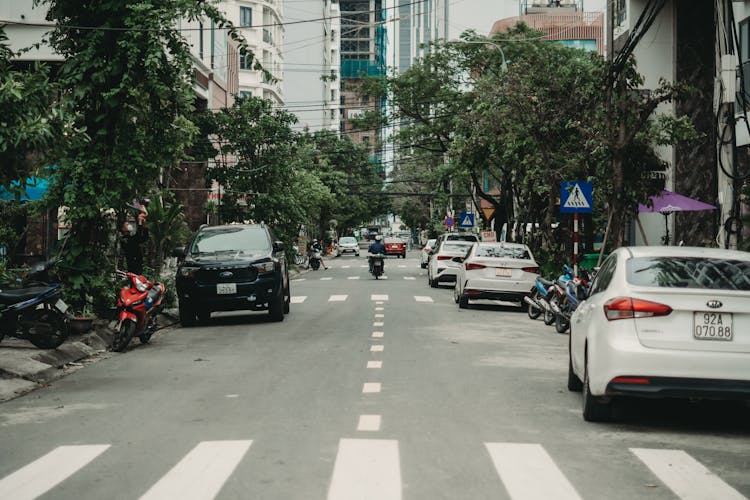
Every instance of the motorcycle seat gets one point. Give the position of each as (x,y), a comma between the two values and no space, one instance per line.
(546,283)
(10,297)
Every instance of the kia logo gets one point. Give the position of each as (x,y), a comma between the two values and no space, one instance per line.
(229,274)
(714,304)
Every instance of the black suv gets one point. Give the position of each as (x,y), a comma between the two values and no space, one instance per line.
(230,268)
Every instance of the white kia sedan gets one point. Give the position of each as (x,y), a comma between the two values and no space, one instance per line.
(663,322)
(495,271)
(442,267)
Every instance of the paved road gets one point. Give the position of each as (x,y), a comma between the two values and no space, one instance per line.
(369,389)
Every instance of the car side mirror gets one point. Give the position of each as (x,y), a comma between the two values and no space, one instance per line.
(278,246)
(179,252)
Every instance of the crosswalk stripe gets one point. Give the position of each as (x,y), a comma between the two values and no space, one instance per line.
(297,299)
(528,472)
(685,476)
(366,469)
(337,298)
(202,473)
(46,472)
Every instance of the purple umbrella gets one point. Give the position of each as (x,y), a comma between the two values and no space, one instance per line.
(668,202)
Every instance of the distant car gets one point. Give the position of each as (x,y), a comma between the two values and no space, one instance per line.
(347,244)
(395,246)
(425,257)
(232,267)
(663,322)
(495,271)
(441,267)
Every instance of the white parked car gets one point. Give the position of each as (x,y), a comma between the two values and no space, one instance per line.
(347,244)
(495,271)
(425,256)
(441,267)
(663,322)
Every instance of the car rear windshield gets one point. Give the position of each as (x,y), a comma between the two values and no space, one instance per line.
(461,237)
(457,246)
(687,272)
(502,252)
(238,240)
(346,240)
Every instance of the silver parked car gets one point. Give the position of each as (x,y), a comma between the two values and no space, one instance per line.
(442,267)
(425,257)
(495,271)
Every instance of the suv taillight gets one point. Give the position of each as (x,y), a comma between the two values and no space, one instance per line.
(629,308)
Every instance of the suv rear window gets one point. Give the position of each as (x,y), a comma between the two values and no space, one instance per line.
(689,272)
(239,239)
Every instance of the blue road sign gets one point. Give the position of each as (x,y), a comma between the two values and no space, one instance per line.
(448,221)
(466,220)
(576,197)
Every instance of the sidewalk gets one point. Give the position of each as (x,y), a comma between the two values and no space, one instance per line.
(24,367)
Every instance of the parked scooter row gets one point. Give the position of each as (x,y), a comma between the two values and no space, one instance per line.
(558,299)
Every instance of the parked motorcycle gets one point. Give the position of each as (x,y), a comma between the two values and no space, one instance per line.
(315,260)
(543,293)
(34,313)
(574,292)
(138,305)
(378,264)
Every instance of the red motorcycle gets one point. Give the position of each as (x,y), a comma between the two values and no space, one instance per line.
(138,304)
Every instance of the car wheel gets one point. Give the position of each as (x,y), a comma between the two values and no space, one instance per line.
(433,283)
(276,307)
(204,315)
(423,265)
(463,302)
(574,383)
(287,299)
(187,314)
(356,254)
(594,408)
(455,293)
(533,310)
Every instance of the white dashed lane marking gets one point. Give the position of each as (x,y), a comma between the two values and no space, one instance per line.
(374,364)
(378,335)
(298,299)
(378,297)
(337,298)
(369,423)
(376,348)
(370,387)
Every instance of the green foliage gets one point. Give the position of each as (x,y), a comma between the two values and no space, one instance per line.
(167,229)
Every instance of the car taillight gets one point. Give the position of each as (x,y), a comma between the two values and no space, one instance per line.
(534,270)
(628,308)
(444,257)
(472,265)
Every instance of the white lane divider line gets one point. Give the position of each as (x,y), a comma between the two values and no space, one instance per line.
(374,364)
(326,279)
(409,278)
(379,303)
(528,472)
(369,423)
(401,265)
(685,476)
(299,279)
(346,267)
(297,299)
(202,473)
(380,315)
(352,277)
(421,298)
(378,335)
(44,473)
(370,387)
(378,323)
(380,308)
(337,298)
(376,348)
(366,469)
(378,297)
(364,265)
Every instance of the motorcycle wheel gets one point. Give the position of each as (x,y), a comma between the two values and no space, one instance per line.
(315,264)
(549,317)
(533,310)
(122,337)
(561,324)
(45,328)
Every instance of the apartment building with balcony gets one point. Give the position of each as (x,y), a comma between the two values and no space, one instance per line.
(312,63)
(417,24)
(261,24)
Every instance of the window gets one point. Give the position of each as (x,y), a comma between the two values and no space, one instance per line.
(366,139)
(200,40)
(743,86)
(246,60)
(604,276)
(246,17)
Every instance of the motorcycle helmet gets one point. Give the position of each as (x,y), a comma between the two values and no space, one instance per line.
(378,237)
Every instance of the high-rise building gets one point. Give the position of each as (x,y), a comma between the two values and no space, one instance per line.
(419,23)
(312,63)
(261,24)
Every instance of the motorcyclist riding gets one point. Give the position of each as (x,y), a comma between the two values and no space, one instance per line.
(376,247)
(316,246)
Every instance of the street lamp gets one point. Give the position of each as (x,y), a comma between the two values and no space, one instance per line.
(486,41)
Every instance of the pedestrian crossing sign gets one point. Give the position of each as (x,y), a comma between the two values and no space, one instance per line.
(576,197)
(466,220)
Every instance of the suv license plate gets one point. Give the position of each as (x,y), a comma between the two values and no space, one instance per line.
(504,272)
(712,326)
(226,288)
